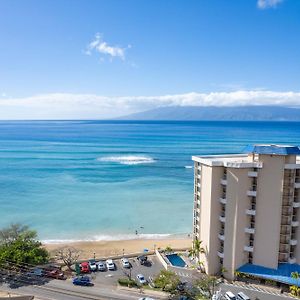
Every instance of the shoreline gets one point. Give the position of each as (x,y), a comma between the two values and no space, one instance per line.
(119,237)
(106,248)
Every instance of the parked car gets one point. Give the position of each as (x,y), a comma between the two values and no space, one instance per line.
(242,296)
(110,265)
(181,286)
(57,274)
(141,279)
(83,280)
(142,259)
(92,264)
(36,272)
(229,296)
(85,267)
(125,262)
(101,266)
(146,298)
(217,296)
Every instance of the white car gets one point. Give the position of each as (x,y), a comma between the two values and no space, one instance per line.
(101,266)
(141,279)
(92,264)
(125,263)
(110,265)
(217,296)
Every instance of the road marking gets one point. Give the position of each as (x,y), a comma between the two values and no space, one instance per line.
(258,289)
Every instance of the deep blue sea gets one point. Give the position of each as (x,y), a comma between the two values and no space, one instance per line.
(93,180)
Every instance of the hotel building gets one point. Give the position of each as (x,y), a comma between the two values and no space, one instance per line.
(246,209)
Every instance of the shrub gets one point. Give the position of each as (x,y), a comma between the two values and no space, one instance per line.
(127,282)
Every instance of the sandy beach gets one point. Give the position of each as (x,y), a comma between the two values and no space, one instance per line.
(111,248)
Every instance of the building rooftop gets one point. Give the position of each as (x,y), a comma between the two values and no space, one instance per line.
(228,160)
(272,149)
(281,274)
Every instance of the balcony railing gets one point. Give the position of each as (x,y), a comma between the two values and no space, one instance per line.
(251,193)
(222,218)
(248,248)
(250,230)
(223,181)
(223,200)
(292,260)
(251,212)
(221,237)
(293,242)
(220,253)
(252,174)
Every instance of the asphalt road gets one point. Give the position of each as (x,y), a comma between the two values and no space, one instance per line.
(253,294)
(65,290)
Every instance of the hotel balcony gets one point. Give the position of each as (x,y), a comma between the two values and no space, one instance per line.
(297,185)
(292,260)
(251,212)
(220,253)
(251,193)
(296,204)
(252,174)
(250,230)
(293,242)
(223,181)
(221,237)
(295,223)
(223,200)
(222,218)
(248,248)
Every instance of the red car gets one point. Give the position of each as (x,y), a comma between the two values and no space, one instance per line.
(85,267)
(57,274)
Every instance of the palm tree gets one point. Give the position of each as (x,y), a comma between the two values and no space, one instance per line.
(197,249)
(295,290)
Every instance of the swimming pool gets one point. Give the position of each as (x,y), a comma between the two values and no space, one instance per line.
(176,260)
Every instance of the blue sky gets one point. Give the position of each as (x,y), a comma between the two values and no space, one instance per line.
(122,56)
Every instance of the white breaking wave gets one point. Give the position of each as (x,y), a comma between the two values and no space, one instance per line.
(117,237)
(128,159)
(188,167)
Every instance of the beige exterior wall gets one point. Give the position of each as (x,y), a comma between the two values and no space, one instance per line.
(236,220)
(268,211)
(209,216)
(269,175)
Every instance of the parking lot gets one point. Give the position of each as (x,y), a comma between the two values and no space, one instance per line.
(150,270)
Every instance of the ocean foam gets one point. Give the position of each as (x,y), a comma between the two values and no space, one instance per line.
(188,167)
(128,159)
(117,237)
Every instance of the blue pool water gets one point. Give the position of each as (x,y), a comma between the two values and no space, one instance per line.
(175,260)
(96,180)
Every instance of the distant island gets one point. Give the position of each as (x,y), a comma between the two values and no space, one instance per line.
(214,113)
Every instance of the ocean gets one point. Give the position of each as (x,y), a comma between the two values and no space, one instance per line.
(103,180)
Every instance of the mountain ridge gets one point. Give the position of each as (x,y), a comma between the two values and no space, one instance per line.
(214,113)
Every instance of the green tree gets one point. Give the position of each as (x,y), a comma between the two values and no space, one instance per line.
(19,244)
(167,281)
(204,288)
(294,289)
(168,249)
(197,249)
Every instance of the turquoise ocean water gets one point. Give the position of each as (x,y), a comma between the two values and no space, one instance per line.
(94,180)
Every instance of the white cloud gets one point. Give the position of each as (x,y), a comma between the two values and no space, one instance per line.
(102,47)
(264,4)
(91,106)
